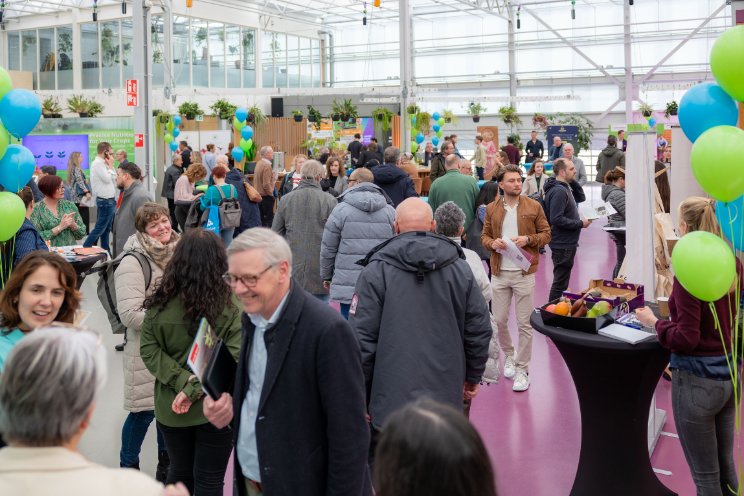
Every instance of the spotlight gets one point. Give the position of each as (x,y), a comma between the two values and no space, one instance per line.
(123,7)
(95,16)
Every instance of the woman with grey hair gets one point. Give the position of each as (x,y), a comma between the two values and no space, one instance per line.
(48,393)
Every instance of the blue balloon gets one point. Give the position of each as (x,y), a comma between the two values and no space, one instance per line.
(435,141)
(435,116)
(652,122)
(419,138)
(247,133)
(237,153)
(241,114)
(175,132)
(20,111)
(173,146)
(731,219)
(16,167)
(706,106)
(436,128)
(413,120)
(177,121)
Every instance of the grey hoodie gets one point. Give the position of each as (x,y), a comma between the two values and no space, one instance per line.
(422,323)
(616,197)
(362,220)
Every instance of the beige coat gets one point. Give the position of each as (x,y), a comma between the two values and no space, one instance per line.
(530,185)
(139,384)
(61,472)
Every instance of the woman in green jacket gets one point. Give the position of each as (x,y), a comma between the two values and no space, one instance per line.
(191,289)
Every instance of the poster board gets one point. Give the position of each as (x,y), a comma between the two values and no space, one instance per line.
(488,131)
(568,134)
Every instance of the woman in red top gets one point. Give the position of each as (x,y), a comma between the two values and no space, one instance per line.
(702,390)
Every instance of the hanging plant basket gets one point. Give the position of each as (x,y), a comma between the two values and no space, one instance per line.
(336,117)
(297,118)
(83,114)
(476,118)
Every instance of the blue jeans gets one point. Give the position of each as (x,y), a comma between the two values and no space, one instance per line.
(227,236)
(345,310)
(133,435)
(102,229)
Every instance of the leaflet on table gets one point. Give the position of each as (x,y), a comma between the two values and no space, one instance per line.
(516,255)
(202,349)
(591,212)
(624,333)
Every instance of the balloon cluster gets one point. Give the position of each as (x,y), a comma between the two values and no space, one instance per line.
(20,111)
(246,148)
(704,263)
(418,136)
(173,131)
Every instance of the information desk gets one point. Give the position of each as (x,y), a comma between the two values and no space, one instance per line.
(615,383)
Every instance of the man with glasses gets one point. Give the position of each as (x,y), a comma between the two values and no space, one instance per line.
(298,405)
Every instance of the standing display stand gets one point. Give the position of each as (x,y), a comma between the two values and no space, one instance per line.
(681,181)
(640,234)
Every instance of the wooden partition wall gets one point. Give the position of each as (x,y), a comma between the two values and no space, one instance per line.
(282,134)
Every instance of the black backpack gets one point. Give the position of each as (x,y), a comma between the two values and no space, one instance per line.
(106,288)
(539,197)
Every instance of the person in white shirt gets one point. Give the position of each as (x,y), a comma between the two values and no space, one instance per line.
(103,184)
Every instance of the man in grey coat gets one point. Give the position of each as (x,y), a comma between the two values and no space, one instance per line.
(362,220)
(300,218)
(421,320)
(128,179)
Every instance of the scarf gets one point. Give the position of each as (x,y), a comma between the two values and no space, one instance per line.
(157,251)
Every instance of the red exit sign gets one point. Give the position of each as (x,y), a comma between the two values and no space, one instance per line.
(132,93)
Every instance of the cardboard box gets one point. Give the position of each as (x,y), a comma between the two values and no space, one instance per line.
(614,293)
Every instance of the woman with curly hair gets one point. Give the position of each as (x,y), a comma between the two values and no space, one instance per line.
(191,288)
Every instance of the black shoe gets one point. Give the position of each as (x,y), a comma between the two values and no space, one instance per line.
(120,347)
(161,472)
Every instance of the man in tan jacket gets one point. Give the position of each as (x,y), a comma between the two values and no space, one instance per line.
(520,220)
(263,180)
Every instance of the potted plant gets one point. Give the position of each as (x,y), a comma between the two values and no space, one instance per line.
(509,115)
(78,104)
(382,117)
(412,109)
(297,114)
(190,110)
(475,110)
(349,111)
(449,116)
(314,116)
(94,108)
(423,122)
(50,108)
(671,108)
(337,110)
(223,109)
(256,115)
(539,121)
(162,115)
(645,109)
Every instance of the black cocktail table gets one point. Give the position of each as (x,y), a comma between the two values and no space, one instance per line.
(615,382)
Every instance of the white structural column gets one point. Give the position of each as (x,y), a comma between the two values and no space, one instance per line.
(682,181)
(142,56)
(629,93)
(406,71)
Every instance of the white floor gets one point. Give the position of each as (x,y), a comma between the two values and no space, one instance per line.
(102,442)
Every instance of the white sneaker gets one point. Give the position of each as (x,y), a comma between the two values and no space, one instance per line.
(521,382)
(509,369)
(491,375)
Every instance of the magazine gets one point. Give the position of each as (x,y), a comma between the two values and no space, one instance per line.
(202,349)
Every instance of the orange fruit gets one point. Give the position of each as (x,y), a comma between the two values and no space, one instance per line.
(562,308)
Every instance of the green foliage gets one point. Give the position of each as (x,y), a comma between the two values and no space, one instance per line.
(586,129)
(645,109)
(50,106)
(517,140)
(671,108)
(382,118)
(476,109)
(94,108)
(256,115)
(190,110)
(314,116)
(449,116)
(509,115)
(423,122)
(297,112)
(78,104)
(412,109)
(223,109)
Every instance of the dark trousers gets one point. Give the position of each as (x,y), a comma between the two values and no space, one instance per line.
(198,456)
(85,215)
(267,210)
(619,239)
(133,435)
(479,171)
(563,260)
(172,210)
(181,212)
(704,414)
(345,307)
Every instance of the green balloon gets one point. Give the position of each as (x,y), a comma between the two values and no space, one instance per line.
(168,137)
(4,140)
(712,164)
(170,125)
(729,75)
(414,147)
(6,84)
(238,125)
(14,211)
(704,265)
(246,145)
(441,121)
(202,187)
(439,133)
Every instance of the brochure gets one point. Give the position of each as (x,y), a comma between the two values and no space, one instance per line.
(592,212)
(202,349)
(516,255)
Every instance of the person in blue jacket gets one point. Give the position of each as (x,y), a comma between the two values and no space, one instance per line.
(213,198)
(27,238)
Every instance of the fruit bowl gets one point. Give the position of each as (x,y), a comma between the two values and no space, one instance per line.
(582,324)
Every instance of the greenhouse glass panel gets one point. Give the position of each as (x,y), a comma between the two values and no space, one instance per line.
(199,53)
(268,65)
(217,55)
(14,51)
(181,65)
(90,52)
(29,55)
(110,55)
(48,57)
(293,61)
(248,57)
(64,58)
(232,55)
(158,50)
(127,39)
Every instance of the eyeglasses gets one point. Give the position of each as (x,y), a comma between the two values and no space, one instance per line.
(247,281)
(353,181)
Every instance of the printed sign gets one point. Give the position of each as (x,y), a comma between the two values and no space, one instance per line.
(139,140)
(132,93)
(55,149)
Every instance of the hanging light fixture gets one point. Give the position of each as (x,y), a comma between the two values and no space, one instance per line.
(364,19)
(2,10)
(519,21)
(95,10)
(123,7)
(573,9)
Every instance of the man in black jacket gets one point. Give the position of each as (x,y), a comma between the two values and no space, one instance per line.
(565,223)
(440,349)
(393,180)
(298,410)
(355,149)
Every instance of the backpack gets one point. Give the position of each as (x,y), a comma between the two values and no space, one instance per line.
(195,217)
(106,288)
(539,197)
(229,210)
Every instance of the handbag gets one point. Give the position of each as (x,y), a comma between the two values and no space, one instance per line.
(213,219)
(228,210)
(253,194)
